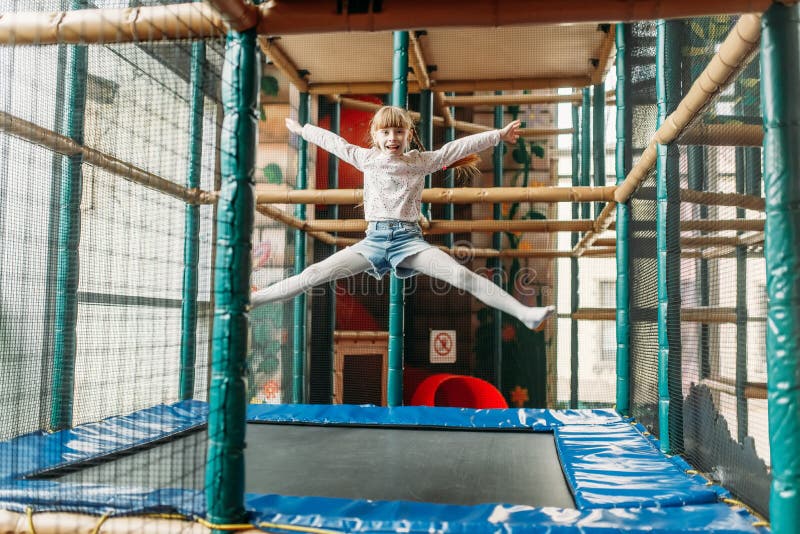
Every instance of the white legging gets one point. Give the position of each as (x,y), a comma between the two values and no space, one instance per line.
(432,262)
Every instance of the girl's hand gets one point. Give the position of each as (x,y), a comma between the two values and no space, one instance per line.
(294,126)
(509,132)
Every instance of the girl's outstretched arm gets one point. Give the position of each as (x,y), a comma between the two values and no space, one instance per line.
(460,148)
(510,132)
(352,154)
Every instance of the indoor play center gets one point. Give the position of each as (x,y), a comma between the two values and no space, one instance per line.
(149,186)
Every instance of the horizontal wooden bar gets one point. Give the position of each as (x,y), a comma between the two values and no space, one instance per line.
(722,135)
(360,335)
(689,315)
(463,126)
(312,16)
(445,227)
(278,215)
(443,195)
(752,390)
(200,20)
(67,147)
(510,100)
(710,198)
(125,25)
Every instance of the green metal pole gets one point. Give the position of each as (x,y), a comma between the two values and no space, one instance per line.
(599,139)
(69,231)
(573,263)
(394,381)
(227,403)
(624,160)
(333,213)
(449,180)
(426,134)
(191,240)
(668,95)
(780,78)
(299,304)
(497,243)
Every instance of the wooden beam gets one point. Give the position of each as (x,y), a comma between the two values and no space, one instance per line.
(198,21)
(418,62)
(469,127)
(444,195)
(439,98)
(445,227)
(689,315)
(237,14)
(64,145)
(730,57)
(510,84)
(282,62)
(722,135)
(604,56)
(313,16)
(510,100)
(125,25)
(357,88)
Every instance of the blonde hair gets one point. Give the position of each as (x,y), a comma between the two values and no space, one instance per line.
(396,117)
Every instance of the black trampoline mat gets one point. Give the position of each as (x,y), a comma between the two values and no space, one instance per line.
(383,463)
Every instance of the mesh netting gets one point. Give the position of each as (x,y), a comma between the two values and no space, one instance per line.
(643,290)
(120,295)
(93,262)
(724,359)
(718,370)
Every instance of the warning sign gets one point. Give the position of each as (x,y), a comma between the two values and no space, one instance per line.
(443,346)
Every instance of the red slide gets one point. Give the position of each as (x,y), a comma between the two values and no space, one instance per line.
(457,391)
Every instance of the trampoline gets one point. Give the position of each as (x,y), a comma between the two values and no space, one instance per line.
(367,469)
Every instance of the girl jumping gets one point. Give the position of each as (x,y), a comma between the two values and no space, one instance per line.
(393,183)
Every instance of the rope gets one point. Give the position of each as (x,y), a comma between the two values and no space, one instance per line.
(29,515)
(310,530)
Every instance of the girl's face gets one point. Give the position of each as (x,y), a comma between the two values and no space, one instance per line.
(391,140)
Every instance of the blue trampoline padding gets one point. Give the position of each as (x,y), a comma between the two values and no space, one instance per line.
(40,450)
(363,516)
(426,416)
(615,466)
(620,479)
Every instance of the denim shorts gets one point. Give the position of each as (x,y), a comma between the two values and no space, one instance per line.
(388,243)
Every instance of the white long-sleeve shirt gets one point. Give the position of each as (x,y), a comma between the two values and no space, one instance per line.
(393,183)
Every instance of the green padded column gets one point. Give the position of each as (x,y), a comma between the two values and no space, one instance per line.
(228,389)
(426,134)
(299,304)
(624,159)
(449,180)
(497,243)
(573,264)
(394,382)
(599,139)
(69,231)
(191,240)
(780,78)
(668,95)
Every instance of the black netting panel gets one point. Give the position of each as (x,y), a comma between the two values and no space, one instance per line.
(723,374)
(644,329)
(718,371)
